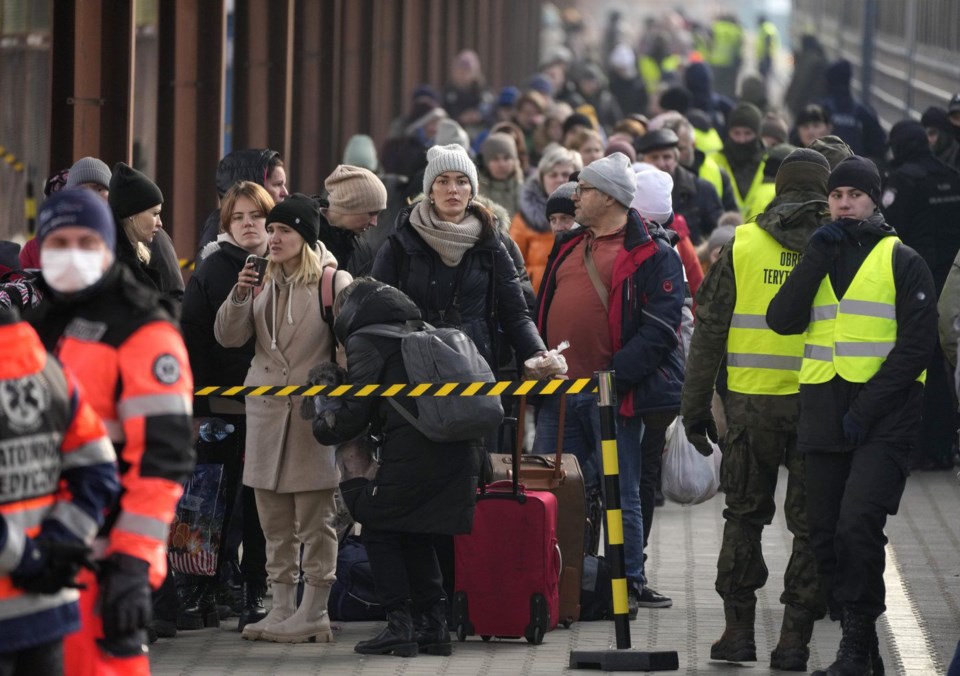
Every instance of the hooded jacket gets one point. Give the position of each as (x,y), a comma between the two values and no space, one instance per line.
(888,406)
(790,219)
(530,229)
(421,486)
(646,301)
(921,199)
(698,78)
(852,121)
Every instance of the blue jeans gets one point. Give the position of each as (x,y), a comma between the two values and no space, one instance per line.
(630,460)
(581,434)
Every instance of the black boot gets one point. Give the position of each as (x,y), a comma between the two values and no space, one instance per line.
(397,637)
(433,636)
(198,604)
(853,656)
(793,650)
(253,610)
(228,591)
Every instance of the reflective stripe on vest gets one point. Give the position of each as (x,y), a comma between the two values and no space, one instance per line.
(853,336)
(760,361)
(721,161)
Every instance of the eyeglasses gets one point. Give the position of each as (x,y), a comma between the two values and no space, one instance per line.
(580,189)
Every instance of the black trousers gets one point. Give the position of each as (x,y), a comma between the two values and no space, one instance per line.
(45,659)
(938,434)
(404,568)
(849,496)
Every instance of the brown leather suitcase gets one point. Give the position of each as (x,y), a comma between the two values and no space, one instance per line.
(559,474)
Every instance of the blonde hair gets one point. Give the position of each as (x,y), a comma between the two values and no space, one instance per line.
(253,192)
(309,269)
(129,231)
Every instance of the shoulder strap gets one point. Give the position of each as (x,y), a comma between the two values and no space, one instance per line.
(327,295)
(595,276)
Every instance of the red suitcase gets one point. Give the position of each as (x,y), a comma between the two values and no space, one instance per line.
(508,567)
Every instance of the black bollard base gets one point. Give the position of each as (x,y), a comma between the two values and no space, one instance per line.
(624,660)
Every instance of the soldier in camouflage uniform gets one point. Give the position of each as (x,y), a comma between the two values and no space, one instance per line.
(762,412)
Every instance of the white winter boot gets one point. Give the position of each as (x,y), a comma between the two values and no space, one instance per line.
(284,606)
(310,623)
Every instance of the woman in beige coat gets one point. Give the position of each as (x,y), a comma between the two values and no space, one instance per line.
(293,476)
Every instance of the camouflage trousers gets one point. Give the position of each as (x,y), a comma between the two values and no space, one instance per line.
(748,476)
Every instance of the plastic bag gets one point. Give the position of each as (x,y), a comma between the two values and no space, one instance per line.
(688,477)
(548,365)
(197,528)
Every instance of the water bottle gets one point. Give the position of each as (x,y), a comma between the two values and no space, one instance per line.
(215,429)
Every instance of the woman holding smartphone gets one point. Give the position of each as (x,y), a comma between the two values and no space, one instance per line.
(293,476)
(243,218)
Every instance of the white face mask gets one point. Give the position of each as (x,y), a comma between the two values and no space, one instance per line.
(71,270)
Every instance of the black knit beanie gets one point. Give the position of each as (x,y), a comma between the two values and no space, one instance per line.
(803,169)
(301,213)
(745,115)
(561,200)
(131,192)
(856,172)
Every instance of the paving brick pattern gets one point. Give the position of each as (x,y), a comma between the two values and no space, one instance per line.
(925,537)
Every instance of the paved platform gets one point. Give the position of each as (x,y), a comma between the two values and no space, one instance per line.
(917,634)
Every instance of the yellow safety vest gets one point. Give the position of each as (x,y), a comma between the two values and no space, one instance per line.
(707,142)
(652,71)
(760,361)
(721,160)
(710,172)
(759,199)
(853,336)
(727,43)
(768,32)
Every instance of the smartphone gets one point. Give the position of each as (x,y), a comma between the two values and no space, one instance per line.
(260,265)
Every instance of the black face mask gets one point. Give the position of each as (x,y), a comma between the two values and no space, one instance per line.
(741,153)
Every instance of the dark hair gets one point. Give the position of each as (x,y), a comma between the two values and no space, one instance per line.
(488,221)
(813,113)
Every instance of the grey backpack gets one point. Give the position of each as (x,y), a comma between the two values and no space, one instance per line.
(432,355)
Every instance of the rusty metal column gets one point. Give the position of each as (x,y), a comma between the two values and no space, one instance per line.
(190,114)
(263,75)
(311,96)
(92,89)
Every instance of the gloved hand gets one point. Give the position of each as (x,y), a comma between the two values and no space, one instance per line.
(47,566)
(831,233)
(124,596)
(127,645)
(327,408)
(854,433)
(700,433)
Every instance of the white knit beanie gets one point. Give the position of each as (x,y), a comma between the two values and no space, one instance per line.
(449,158)
(653,197)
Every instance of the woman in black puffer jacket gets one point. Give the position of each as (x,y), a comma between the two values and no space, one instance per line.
(446,256)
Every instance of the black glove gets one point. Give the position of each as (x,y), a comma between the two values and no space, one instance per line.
(854,433)
(124,596)
(128,645)
(47,566)
(700,433)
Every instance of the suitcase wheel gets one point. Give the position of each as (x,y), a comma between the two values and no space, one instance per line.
(461,617)
(462,633)
(486,638)
(567,621)
(539,619)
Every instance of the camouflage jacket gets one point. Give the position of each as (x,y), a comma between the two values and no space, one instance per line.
(790,218)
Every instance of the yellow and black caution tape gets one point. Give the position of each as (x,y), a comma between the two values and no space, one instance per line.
(11,159)
(494,389)
(187,264)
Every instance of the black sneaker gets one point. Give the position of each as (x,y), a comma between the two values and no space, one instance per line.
(650,598)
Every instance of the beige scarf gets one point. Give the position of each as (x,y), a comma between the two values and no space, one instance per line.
(449,240)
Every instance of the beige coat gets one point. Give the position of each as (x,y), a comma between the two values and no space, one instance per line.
(281,453)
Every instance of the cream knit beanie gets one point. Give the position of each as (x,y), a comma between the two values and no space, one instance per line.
(355,190)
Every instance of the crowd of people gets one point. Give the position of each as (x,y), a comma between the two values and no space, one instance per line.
(747,271)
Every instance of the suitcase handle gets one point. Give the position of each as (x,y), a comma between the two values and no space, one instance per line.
(559,559)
